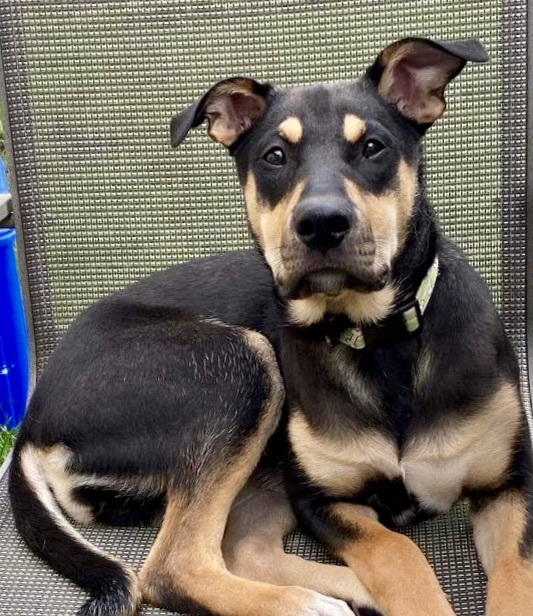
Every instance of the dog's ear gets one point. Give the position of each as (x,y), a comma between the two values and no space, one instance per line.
(231,107)
(413,73)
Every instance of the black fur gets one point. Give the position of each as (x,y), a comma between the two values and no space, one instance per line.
(117,509)
(129,416)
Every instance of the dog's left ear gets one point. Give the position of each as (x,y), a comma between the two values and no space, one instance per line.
(231,107)
(413,73)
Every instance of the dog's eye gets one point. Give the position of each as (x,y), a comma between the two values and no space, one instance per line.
(276,157)
(372,147)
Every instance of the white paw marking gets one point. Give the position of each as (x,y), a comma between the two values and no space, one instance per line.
(327,606)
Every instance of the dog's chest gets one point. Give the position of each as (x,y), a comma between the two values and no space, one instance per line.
(384,431)
(426,476)
(369,466)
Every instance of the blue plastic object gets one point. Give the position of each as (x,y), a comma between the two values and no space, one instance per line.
(4,184)
(14,348)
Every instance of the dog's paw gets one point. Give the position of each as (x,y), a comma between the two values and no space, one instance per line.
(327,606)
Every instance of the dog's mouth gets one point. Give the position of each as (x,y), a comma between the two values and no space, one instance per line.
(331,281)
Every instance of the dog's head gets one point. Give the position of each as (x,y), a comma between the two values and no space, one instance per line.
(330,171)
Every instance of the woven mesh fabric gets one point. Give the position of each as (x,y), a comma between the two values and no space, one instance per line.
(514,245)
(29,588)
(103,199)
(92,86)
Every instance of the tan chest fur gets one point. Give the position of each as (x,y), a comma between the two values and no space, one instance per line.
(437,466)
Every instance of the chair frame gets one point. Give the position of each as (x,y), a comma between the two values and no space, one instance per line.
(529,194)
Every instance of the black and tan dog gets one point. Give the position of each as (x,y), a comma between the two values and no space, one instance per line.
(401,386)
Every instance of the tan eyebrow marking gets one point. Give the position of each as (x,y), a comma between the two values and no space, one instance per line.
(291,129)
(354,127)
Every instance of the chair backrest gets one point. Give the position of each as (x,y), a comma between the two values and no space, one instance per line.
(103,200)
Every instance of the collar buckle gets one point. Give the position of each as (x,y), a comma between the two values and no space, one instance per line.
(353,337)
(403,322)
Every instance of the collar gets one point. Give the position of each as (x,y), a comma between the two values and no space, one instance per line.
(403,321)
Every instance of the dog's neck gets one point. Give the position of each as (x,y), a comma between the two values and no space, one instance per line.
(419,251)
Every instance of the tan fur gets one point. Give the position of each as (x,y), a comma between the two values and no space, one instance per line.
(510,588)
(387,215)
(494,433)
(342,465)
(380,214)
(253,205)
(390,566)
(499,528)
(253,548)
(187,554)
(498,532)
(264,350)
(291,129)
(437,466)
(353,127)
(31,464)
(363,308)
(469,454)
(405,193)
(55,462)
(388,218)
(269,224)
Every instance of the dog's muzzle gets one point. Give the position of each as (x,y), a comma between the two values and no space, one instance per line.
(332,281)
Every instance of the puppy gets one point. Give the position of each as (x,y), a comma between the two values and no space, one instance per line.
(348,375)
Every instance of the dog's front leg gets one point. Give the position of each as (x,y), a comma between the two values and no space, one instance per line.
(390,565)
(503,526)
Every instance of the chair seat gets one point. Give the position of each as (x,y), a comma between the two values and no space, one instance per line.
(28,587)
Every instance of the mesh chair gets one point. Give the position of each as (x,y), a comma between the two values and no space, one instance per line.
(102,200)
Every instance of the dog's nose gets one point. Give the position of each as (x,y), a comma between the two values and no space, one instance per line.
(321,225)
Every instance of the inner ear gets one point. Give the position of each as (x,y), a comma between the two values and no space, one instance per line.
(234,107)
(412,74)
(414,79)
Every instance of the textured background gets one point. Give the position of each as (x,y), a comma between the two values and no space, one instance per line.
(107,199)
(104,200)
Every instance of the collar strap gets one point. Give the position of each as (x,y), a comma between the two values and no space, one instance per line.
(404,321)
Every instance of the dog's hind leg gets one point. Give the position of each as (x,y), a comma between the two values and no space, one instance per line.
(253,548)
(185,570)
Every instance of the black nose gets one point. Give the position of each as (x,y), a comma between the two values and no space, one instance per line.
(321,225)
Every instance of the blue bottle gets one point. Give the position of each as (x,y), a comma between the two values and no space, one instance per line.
(14,348)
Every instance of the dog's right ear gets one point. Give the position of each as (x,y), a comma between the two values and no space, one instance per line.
(232,107)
